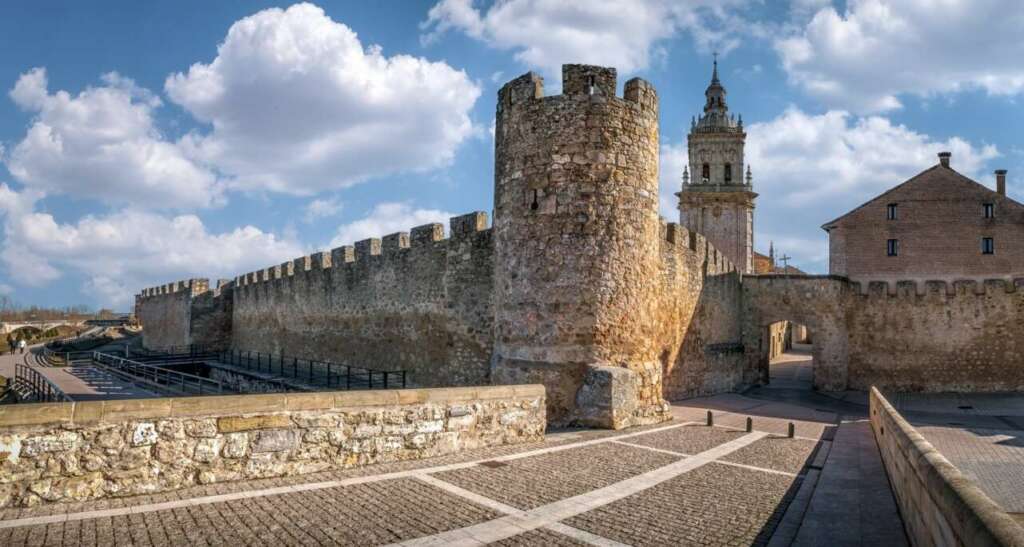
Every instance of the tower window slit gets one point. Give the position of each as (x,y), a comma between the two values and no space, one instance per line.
(534,205)
(728,172)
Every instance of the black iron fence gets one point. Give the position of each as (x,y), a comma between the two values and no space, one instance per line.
(32,385)
(310,371)
(56,358)
(190,350)
(156,376)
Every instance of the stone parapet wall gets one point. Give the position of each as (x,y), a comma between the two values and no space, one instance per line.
(699,327)
(414,301)
(936,336)
(100,449)
(906,336)
(939,505)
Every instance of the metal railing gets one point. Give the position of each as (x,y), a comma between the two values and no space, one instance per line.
(157,376)
(331,375)
(56,358)
(28,381)
(192,350)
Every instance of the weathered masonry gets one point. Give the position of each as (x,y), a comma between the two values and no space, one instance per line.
(110,449)
(907,336)
(579,286)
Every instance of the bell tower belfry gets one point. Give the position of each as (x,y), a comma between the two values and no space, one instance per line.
(717,197)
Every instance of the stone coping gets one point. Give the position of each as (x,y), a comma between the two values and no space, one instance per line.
(120,410)
(973,516)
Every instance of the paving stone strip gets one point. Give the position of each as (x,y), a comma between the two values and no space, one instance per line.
(565,530)
(734,464)
(204,500)
(518,523)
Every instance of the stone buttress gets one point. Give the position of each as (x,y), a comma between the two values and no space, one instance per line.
(576,235)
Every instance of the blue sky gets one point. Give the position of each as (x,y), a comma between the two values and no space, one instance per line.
(149,142)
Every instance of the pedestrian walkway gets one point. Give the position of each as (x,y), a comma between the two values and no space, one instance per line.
(679,483)
(793,369)
(982,434)
(80,382)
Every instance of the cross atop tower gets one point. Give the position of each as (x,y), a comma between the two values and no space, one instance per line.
(784,259)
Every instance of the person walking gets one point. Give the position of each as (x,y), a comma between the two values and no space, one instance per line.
(21,345)
(11,343)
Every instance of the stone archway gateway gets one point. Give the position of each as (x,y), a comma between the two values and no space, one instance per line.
(813,301)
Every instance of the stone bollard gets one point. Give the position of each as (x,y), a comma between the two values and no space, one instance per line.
(711,419)
(792,430)
(750,424)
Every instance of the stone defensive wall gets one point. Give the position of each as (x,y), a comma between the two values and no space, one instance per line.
(905,336)
(413,301)
(186,312)
(579,286)
(54,452)
(939,505)
(699,334)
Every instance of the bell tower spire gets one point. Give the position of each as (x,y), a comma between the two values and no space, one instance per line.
(718,202)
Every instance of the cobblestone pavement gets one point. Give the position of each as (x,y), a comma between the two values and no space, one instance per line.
(993,458)
(982,434)
(712,505)
(677,483)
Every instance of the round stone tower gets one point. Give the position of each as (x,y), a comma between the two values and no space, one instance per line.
(576,235)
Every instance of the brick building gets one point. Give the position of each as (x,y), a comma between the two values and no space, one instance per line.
(937,225)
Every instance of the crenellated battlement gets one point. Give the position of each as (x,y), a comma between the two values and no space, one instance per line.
(591,83)
(681,239)
(936,287)
(364,257)
(194,286)
(907,289)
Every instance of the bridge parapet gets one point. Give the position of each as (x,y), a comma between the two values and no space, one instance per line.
(7,327)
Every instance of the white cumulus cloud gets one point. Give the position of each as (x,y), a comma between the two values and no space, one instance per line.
(388,218)
(125,251)
(545,34)
(297,104)
(104,144)
(322,208)
(876,50)
(809,169)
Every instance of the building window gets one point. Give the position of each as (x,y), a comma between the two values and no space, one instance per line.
(705,172)
(892,247)
(890,212)
(728,172)
(988,246)
(989,210)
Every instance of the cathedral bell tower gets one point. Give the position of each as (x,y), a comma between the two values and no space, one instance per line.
(717,198)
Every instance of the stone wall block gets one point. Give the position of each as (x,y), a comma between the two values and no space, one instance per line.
(426,234)
(201,428)
(395,242)
(367,248)
(276,440)
(234,424)
(465,225)
(207,450)
(236,445)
